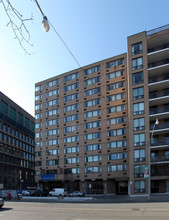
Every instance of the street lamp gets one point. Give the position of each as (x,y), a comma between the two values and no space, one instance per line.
(45,23)
(149,182)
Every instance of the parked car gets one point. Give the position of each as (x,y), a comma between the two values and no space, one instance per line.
(24,193)
(39,192)
(58,192)
(1,202)
(76,193)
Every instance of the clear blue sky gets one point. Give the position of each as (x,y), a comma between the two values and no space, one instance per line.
(93,30)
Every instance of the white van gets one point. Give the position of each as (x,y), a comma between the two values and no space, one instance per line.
(57,192)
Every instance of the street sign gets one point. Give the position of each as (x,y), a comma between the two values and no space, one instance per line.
(146,172)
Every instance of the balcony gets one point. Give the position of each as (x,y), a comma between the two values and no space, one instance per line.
(159,97)
(159,143)
(160,170)
(162,128)
(158,48)
(160,112)
(157,159)
(158,63)
(158,82)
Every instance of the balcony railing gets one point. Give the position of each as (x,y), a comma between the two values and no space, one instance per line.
(159,94)
(158,110)
(160,126)
(160,158)
(160,47)
(159,142)
(158,63)
(160,173)
(159,78)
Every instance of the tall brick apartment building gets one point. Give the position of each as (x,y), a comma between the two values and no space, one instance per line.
(17,156)
(95,126)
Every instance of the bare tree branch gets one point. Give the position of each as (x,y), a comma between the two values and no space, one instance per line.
(17,23)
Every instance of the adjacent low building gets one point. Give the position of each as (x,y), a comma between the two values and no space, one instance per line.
(96,126)
(17,156)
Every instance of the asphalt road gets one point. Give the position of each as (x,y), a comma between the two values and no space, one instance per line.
(84,211)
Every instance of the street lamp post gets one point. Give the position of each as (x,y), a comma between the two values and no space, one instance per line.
(151,137)
(45,23)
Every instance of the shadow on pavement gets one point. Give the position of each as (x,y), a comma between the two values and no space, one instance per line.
(5,209)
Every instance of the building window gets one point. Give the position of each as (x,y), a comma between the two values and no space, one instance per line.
(38,125)
(71,97)
(52,152)
(94,124)
(71,128)
(39,106)
(138,108)
(52,102)
(71,118)
(93,169)
(137,78)
(116,144)
(92,136)
(52,142)
(115,74)
(92,81)
(71,139)
(52,83)
(52,162)
(38,135)
(37,154)
(52,122)
(38,144)
(51,93)
(13,113)
(38,97)
(71,160)
(52,132)
(139,186)
(92,91)
(138,93)
(4,107)
(93,113)
(139,155)
(92,158)
(139,124)
(71,107)
(139,171)
(139,139)
(116,97)
(37,88)
(117,156)
(117,168)
(115,63)
(92,102)
(119,120)
(91,70)
(39,115)
(115,85)
(70,150)
(117,108)
(116,132)
(92,147)
(71,77)
(52,112)
(71,87)
(137,63)
(136,48)
(71,171)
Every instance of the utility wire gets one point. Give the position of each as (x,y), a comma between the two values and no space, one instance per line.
(65,44)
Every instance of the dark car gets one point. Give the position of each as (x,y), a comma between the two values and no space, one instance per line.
(1,202)
(39,192)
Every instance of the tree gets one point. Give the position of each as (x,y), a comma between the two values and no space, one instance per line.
(18,24)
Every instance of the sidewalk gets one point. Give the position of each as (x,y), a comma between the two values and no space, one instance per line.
(111,198)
